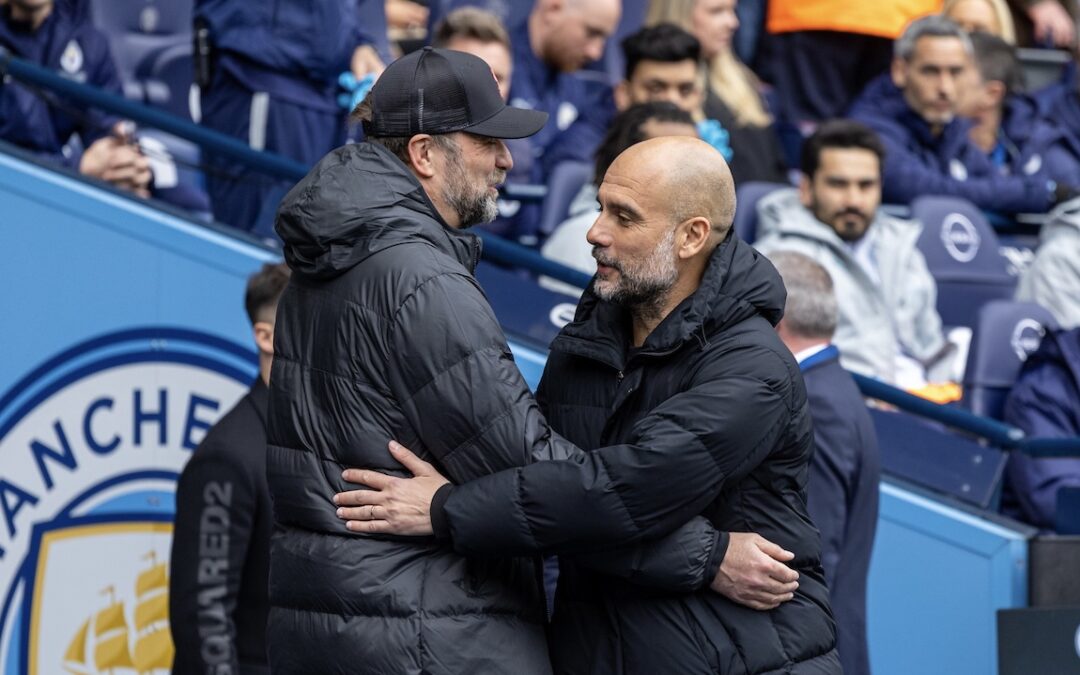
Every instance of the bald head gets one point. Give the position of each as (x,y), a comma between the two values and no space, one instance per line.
(567,34)
(687,174)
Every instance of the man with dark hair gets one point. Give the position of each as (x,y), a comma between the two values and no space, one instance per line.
(221,541)
(673,371)
(842,490)
(928,147)
(1007,124)
(663,63)
(889,327)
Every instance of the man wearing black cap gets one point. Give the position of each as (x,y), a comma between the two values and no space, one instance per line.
(383,333)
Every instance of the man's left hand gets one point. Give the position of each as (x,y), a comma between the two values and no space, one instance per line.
(366,61)
(391,505)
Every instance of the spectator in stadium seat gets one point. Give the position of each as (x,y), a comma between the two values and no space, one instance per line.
(384,333)
(732,95)
(222,496)
(556,41)
(50,35)
(982,16)
(1053,277)
(271,81)
(1008,128)
(640,122)
(823,52)
(480,33)
(842,490)
(663,63)
(926,142)
(888,327)
(1045,403)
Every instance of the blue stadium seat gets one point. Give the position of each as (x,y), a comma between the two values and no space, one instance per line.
(166,77)
(563,185)
(961,251)
(747,196)
(148,17)
(930,456)
(511,12)
(1006,334)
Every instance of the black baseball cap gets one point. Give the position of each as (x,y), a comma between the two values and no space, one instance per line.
(440,91)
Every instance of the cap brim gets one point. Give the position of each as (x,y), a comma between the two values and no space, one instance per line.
(510,123)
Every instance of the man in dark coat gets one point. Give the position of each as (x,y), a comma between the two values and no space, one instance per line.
(1045,403)
(384,333)
(221,544)
(672,365)
(842,492)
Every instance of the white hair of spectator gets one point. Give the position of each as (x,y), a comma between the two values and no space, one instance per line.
(811,310)
(934,25)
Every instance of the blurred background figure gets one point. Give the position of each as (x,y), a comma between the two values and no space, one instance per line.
(58,37)
(268,75)
(733,95)
(842,490)
(985,16)
(823,52)
(889,327)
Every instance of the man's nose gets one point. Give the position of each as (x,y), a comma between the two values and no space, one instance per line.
(503,160)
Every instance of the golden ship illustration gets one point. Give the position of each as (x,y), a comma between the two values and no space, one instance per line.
(109,633)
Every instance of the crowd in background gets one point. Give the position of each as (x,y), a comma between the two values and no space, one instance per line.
(899,100)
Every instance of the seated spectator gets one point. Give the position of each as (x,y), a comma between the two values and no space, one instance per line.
(480,33)
(568,244)
(823,52)
(1053,277)
(888,327)
(842,489)
(663,63)
(926,143)
(732,96)
(272,81)
(982,16)
(1044,403)
(49,34)
(557,40)
(1007,127)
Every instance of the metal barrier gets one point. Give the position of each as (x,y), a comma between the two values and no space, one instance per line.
(496,249)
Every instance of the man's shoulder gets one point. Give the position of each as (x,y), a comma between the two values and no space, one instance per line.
(238,438)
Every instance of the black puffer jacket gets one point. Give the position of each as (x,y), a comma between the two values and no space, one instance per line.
(708,417)
(383,333)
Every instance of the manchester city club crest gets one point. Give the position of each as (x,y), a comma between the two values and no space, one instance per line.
(91,444)
(72,60)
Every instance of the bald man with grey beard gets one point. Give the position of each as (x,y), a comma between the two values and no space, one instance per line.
(698,414)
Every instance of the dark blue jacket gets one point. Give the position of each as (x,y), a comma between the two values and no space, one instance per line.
(294,49)
(918,163)
(1035,144)
(1045,403)
(1063,112)
(842,496)
(40,121)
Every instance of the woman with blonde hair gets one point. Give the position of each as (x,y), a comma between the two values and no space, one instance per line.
(987,16)
(733,97)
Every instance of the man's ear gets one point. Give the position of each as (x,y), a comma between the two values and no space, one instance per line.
(421,155)
(622,95)
(805,193)
(996,92)
(898,71)
(692,236)
(264,337)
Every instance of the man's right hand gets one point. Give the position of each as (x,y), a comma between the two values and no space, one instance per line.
(753,572)
(117,162)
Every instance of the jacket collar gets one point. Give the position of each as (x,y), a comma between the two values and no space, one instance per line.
(738,283)
(358,200)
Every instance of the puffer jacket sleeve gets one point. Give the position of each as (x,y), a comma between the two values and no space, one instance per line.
(680,562)
(452,373)
(684,452)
